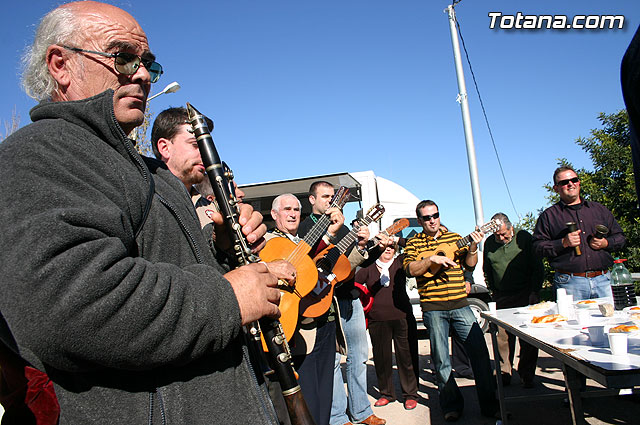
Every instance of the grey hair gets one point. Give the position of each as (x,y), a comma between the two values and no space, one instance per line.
(59,26)
(275,205)
(503,218)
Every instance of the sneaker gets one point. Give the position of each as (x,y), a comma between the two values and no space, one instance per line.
(451,416)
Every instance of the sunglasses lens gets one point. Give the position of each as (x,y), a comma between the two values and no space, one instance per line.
(155,70)
(127,63)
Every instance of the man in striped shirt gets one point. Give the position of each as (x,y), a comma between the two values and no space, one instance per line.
(433,258)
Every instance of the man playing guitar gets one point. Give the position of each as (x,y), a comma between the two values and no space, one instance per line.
(444,305)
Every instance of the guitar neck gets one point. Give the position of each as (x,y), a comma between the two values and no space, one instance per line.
(485,228)
(317,231)
(350,237)
(464,242)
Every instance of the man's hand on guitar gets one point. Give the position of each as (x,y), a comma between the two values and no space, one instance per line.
(283,270)
(337,220)
(445,262)
(256,291)
(384,240)
(363,236)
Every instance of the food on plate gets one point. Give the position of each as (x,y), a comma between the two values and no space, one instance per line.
(636,308)
(583,302)
(549,318)
(623,329)
(540,306)
(635,316)
(606,309)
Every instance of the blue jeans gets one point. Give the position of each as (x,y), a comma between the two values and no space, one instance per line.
(356,401)
(463,323)
(583,288)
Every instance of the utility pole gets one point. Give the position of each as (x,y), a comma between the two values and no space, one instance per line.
(466,119)
(478,275)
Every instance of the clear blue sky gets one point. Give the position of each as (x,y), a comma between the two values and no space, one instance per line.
(300,88)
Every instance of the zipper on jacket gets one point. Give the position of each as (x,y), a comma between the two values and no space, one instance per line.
(185,230)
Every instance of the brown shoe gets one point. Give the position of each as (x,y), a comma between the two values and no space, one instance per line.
(374,420)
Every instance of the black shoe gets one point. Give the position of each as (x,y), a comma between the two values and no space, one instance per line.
(506,379)
(451,416)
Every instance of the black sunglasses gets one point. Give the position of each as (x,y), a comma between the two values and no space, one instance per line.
(127,63)
(566,181)
(429,217)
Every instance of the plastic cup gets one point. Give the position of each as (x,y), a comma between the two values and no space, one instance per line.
(583,316)
(596,335)
(493,308)
(618,343)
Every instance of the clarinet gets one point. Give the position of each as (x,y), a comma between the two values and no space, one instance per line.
(279,355)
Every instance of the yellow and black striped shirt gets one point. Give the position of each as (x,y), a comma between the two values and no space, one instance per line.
(444,290)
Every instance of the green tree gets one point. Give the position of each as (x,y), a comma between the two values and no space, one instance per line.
(611,181)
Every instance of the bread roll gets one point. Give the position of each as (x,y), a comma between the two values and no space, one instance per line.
(549,318)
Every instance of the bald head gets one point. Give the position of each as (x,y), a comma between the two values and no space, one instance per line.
(59,67)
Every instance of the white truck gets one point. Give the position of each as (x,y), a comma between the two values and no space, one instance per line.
(366,190)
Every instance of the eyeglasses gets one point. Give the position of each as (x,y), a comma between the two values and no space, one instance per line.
(566,181)
(127,63)
(429,217)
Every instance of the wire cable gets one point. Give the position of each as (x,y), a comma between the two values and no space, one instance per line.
(486,119)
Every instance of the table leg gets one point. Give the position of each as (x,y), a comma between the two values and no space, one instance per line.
(573,382)
(493,329)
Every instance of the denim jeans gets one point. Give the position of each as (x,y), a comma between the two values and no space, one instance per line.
(355,400)
(463,323)
(583,288)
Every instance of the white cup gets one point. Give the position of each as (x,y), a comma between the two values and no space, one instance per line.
(561,292)
(583,316)
(618,343)
(493,308)
(596,335)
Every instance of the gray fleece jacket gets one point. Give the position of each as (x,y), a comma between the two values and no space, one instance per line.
(131,331)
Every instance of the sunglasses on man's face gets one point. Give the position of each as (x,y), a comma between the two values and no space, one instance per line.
(566,181)
(127,63)
(428,217)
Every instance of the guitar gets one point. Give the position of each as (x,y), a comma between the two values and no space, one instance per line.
(306,272)
(334,267)
(451,249)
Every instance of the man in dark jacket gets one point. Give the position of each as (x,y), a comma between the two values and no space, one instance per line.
(108,284)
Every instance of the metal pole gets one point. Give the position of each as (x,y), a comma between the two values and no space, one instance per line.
(466,119)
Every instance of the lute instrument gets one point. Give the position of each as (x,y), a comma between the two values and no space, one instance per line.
(450,250)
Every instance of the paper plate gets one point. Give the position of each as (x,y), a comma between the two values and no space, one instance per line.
(593,306)
(550,325)
(538,309)
(632,309)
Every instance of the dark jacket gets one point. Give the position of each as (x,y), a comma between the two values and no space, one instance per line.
(551,227)
(130,330)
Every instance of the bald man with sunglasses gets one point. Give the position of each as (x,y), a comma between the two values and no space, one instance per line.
(581,260)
